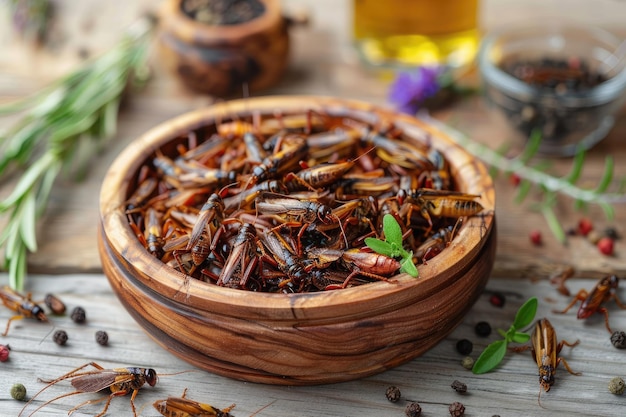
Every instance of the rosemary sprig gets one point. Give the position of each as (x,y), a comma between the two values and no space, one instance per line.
(550,185)
(76,112)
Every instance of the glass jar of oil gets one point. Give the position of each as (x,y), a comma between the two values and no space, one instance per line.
(408,33)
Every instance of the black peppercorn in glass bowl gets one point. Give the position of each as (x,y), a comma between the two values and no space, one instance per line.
(565,82)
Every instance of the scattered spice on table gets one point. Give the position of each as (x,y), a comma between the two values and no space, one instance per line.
(497,299)
(605,246)
(413,409)
(55,304)
(585,226)
(457,409)
(60,337)
(4,353)
(393,394)
(482,329)
(617,386)
(18,392)
(102,337)
(618,339)
(459,386)
(468,362)
(78,315)
(535,237)
(464,346)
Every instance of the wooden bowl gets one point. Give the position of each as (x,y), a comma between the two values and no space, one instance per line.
(219,59)
(303,338)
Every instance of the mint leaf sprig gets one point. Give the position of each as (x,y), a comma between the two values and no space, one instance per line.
(493,354)
(392,245)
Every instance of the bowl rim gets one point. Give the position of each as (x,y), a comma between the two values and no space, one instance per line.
(605,92)
(173,285)
(191,30)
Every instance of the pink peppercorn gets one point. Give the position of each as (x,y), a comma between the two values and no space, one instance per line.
(4,353)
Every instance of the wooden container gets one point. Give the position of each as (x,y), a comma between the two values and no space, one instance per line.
(306,338)
(219,59)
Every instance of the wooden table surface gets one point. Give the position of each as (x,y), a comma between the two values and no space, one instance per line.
(322,62)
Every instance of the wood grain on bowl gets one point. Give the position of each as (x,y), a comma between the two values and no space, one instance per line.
(304,338)
(218,59)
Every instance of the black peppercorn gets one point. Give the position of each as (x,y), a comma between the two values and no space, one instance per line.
(457,409)
(413,410)
(393,394)
(60,337)
(464,346)
(482,329)
(79,315)
(459,387)
(102,337)
(618,339)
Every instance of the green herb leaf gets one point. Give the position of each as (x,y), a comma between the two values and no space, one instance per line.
(577,168)
(607,176)
(490,357)
(379,246)
(28,222)
(408,267)
(526,313)
(392,230)
(520,337)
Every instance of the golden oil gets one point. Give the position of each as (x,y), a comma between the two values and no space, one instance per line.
(397,33)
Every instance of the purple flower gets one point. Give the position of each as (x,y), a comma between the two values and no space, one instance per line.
(410,89)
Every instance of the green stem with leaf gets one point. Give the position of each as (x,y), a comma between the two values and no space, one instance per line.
(59,129)
(392,246)
(549,185)
(495,352)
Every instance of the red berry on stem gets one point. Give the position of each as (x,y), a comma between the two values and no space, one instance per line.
(515,179)
(605,246)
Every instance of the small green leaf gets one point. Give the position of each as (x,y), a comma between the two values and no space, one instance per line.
(379,246)
(28,222)
(392,230)
(490,357)
(522,191)
(532,146)
(520,337)
(526,313)
(554,224)
(407,266)
(577,167)
(607,176)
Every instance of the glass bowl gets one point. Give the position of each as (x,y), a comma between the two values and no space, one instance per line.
(296,338)
(563,81)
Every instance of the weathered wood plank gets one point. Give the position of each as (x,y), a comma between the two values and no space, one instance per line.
(511,390)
